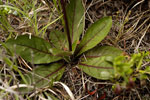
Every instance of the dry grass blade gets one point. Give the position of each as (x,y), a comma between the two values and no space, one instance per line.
(137,47)
(67,90)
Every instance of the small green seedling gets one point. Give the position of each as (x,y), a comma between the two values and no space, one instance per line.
(51,58)
(130,69)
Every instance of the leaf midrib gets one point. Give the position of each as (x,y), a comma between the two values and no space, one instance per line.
(91,38)
(35,49)
(98,67)
(52,73)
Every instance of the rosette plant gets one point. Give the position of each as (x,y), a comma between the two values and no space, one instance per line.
(50,58)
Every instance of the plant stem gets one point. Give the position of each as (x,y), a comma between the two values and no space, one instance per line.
(66,24)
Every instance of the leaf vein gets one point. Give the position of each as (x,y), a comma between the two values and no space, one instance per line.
(91,38)
(35,49)
(98,67)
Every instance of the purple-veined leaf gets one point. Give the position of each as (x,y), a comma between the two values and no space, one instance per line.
(43,76)
(35,50)
(75,17)
(98,62)
(95,34)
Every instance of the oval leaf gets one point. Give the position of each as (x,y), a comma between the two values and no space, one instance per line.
(43,75)
(75,17)
(35,50)
(96,33)
(98,62)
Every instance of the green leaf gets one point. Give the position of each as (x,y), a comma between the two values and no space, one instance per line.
(98,62)
(35,50)
(75,17)
(59,40)
(95,34)
(43,76)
